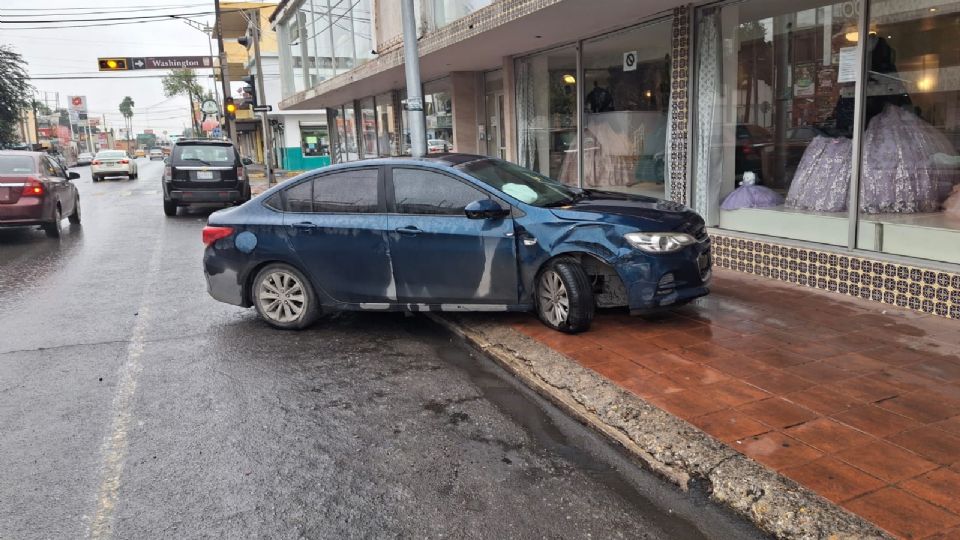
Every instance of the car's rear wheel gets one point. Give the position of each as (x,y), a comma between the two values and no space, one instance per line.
(284,298)
(96,178)
(55,228)
(75,216)
(564,298)
(169,208)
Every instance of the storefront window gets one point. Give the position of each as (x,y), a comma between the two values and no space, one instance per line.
(547,112)
(626,78)
(774,113)
(314,140)
(350,147)
(447,11)
(368,127)
(388,140)
(438,115)
(295,37)
(335,117)
(494,133)
(909,202)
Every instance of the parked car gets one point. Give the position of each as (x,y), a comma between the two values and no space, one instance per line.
(752,143)
(84,158)
(113,163)
(204,171)
(438,146)
(454,232)
(36,190)
(156,153)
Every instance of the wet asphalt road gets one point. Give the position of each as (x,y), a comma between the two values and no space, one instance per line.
(134,406)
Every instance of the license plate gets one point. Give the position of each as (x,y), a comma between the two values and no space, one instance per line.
(110,163)
(5,194)
(204,175)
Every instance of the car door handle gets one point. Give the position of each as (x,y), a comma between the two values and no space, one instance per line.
(305,225)
(408,230)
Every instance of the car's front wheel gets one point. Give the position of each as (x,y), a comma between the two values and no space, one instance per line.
(284,298)
(564,298)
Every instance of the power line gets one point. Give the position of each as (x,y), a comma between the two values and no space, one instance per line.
(41,13)
(162,6)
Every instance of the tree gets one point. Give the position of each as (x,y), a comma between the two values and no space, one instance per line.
(15,93)
(183,82)
(126,109)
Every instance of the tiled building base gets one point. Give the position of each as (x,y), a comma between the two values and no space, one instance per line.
(911,287)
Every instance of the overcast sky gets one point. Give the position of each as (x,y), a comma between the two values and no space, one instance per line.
(74,51)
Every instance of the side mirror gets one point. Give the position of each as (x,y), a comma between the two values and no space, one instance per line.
(166,161)
(485,209)
(246,161)
(73,175)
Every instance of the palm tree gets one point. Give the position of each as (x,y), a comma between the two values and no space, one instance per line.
(126,109)
(183,82)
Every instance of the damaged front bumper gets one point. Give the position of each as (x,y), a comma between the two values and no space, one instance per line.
(665,280)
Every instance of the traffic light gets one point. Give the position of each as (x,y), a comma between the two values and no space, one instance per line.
(230,108)
(250,89)
(113,64)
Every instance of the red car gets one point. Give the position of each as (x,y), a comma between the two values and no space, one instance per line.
(36,190)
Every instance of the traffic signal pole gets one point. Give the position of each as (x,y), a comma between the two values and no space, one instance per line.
(267,135)
(224,68)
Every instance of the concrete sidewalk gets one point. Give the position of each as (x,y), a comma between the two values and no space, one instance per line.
(856,402)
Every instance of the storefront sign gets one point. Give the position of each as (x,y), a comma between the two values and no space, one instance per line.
(848,65)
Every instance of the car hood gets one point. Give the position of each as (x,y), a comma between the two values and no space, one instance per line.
(637,210)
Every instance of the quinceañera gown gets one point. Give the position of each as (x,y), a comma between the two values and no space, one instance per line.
(750,195)
(900,172)
(822,180)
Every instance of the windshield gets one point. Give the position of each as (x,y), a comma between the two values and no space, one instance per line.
(205,153)
(111,155)
(16,164)
(520,183)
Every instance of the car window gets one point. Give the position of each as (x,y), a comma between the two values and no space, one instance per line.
(520,183)
(50,168)
(300,198)
(347,192)
(204,153)
(17,164)
(420,191)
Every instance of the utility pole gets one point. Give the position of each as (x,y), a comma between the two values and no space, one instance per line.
(224,76)
(411,61)
(264,122)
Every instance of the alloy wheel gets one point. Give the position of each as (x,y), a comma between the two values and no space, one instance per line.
(554,300)
(281,297)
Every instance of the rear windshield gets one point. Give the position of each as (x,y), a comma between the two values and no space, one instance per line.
(207,154)
(17,164)
(112,155)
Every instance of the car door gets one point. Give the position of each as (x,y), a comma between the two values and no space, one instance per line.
(440,256)
(336,223)
(56,178)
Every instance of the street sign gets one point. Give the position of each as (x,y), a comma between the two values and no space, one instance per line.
(263,108)
(630,61)
(77,103)
(170,62)
(209,107)
(414,103)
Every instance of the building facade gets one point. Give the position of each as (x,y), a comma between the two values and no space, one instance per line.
(818,139)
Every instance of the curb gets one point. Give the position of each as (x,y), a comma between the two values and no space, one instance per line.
(665,444)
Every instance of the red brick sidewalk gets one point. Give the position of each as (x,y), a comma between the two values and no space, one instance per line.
(855,400)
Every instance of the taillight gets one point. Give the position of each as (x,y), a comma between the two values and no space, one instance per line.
(124,161)
(746,149)
(211,234)
(239,173)
(32,188)
(95,162)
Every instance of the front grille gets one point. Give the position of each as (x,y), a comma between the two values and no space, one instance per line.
(666,285)
(705,263)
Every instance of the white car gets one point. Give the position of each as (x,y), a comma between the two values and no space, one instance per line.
(437,146)
(84,158)
(112,163)
(156,153)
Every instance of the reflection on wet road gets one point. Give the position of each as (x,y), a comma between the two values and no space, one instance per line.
(132,405)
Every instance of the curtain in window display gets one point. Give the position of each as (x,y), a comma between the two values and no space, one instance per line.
(707,173)
(526,116)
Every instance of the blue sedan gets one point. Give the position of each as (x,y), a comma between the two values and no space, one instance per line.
(454,232)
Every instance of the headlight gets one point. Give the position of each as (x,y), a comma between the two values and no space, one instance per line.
(659,242)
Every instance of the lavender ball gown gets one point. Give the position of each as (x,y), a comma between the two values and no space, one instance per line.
(749,195)
(822,181)
(899,172)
